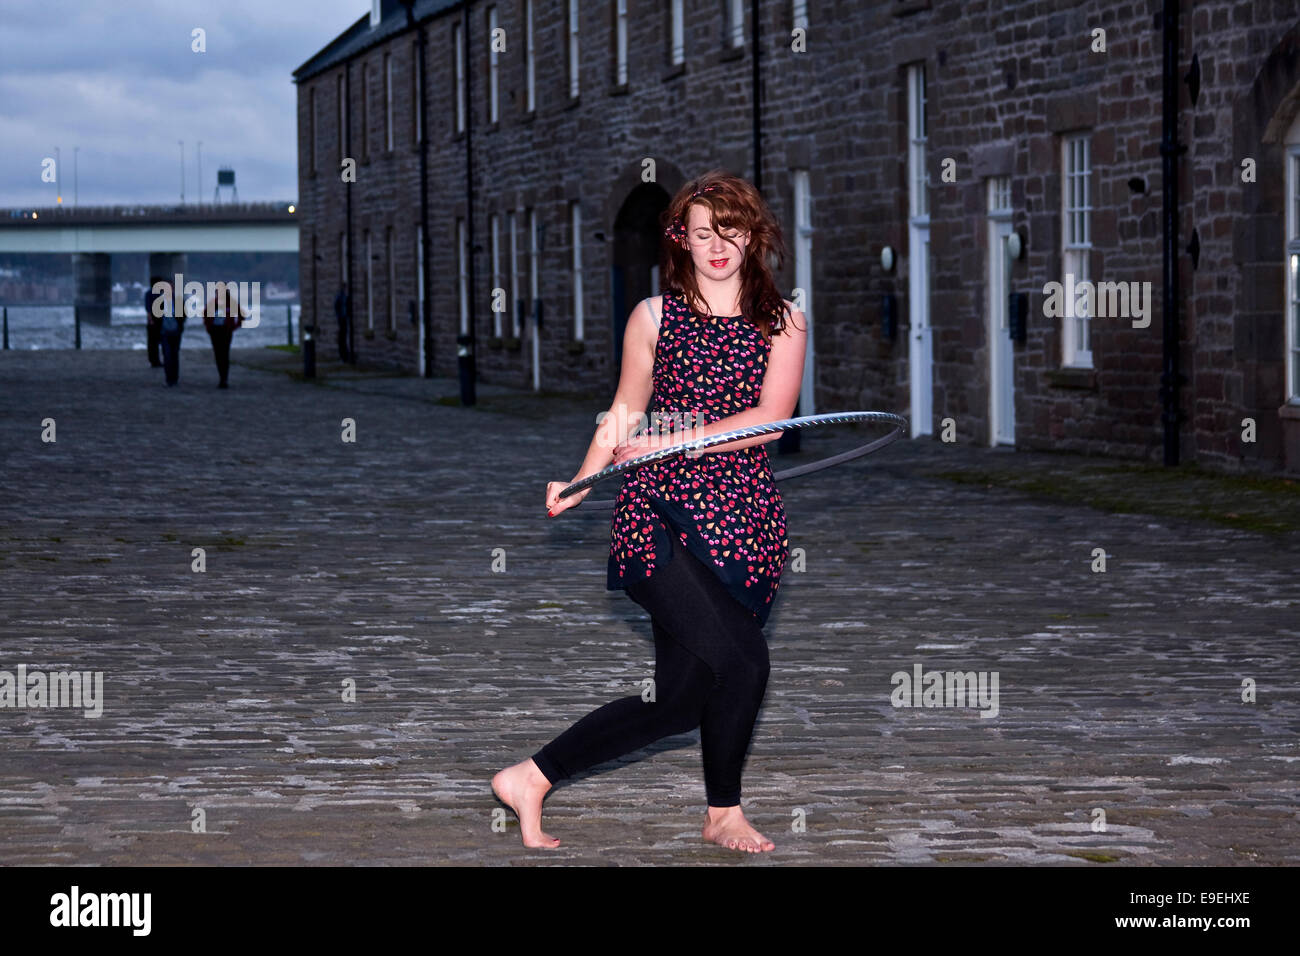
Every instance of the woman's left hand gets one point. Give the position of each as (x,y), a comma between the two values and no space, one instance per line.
(645,444)
(634,448)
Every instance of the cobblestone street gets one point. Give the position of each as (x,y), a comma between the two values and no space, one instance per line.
(331,564)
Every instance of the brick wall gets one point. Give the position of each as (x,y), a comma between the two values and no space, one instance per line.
(1004,84)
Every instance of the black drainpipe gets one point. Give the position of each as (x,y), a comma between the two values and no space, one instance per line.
(1171,380)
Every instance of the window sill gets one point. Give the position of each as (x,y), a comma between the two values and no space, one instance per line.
(674,71)
(618,89)
(904,7)
(528,116)
(367,333)
(577,347)
(494,126)
(512,344)
(390,333)
(574,102)
(1068,377)
(732,53)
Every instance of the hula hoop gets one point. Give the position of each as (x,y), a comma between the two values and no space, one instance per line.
(786,424)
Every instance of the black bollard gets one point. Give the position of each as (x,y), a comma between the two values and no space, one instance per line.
(308,352)
(288,321)
(76,316)
(6,312)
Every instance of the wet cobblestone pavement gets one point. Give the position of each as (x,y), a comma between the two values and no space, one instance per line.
(418,566)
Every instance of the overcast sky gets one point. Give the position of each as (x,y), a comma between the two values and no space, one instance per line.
(118,79)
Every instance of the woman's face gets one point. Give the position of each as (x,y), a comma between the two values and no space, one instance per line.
(716,256)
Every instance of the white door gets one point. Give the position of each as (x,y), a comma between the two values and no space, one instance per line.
(1001,377)
(803,273)
(920,349)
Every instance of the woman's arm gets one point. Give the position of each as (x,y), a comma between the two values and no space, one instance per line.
(635,387)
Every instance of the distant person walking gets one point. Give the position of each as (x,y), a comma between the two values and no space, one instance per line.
(341,313)
(153,324)
(171,327)
(221,317)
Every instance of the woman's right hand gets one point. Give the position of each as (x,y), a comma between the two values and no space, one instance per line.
(555,504)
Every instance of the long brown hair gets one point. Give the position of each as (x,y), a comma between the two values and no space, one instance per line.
(733,203)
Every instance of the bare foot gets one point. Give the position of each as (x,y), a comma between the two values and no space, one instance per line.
(727,826)
(522,788)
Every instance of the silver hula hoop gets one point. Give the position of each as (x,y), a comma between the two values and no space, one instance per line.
(786,424)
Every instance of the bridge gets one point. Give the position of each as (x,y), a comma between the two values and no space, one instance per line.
(91,234)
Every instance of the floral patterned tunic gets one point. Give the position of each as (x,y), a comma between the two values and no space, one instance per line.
(723,506)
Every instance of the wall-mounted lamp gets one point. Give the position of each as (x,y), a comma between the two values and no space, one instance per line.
(887,258)
(1015,245)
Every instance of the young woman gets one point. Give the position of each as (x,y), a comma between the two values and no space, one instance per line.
(698,541)
(222,316)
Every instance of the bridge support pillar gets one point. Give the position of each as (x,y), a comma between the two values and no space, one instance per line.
(166,264)
(92,275)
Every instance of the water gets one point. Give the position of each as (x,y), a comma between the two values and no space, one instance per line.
(54,327)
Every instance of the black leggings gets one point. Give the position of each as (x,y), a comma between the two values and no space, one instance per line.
(711,669)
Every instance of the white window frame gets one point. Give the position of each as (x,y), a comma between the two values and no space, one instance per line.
(575,218)
(1291,267)
(419,294)
(343,116)
(530,59)
(1076,244)
(534,277)
(415,92)
(494,228)
(370,284)
(311,132)
(512,228)
(620,42)
(365,110)
(676,33)
(494,69)
(419,271)
(459,46)
(919,203)
(392,279)
(462,271)
(388,101)
(736,23)
(799,14)
(573,49)
(803,272)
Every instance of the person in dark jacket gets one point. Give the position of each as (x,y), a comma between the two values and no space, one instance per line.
(153,325)
(171,325)
(221,317)
(341,313)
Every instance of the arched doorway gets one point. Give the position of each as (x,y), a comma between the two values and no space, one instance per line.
(634,264)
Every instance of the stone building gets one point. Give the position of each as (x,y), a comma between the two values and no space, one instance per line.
(936,166)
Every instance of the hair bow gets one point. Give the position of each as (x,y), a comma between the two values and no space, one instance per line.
(676,230)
